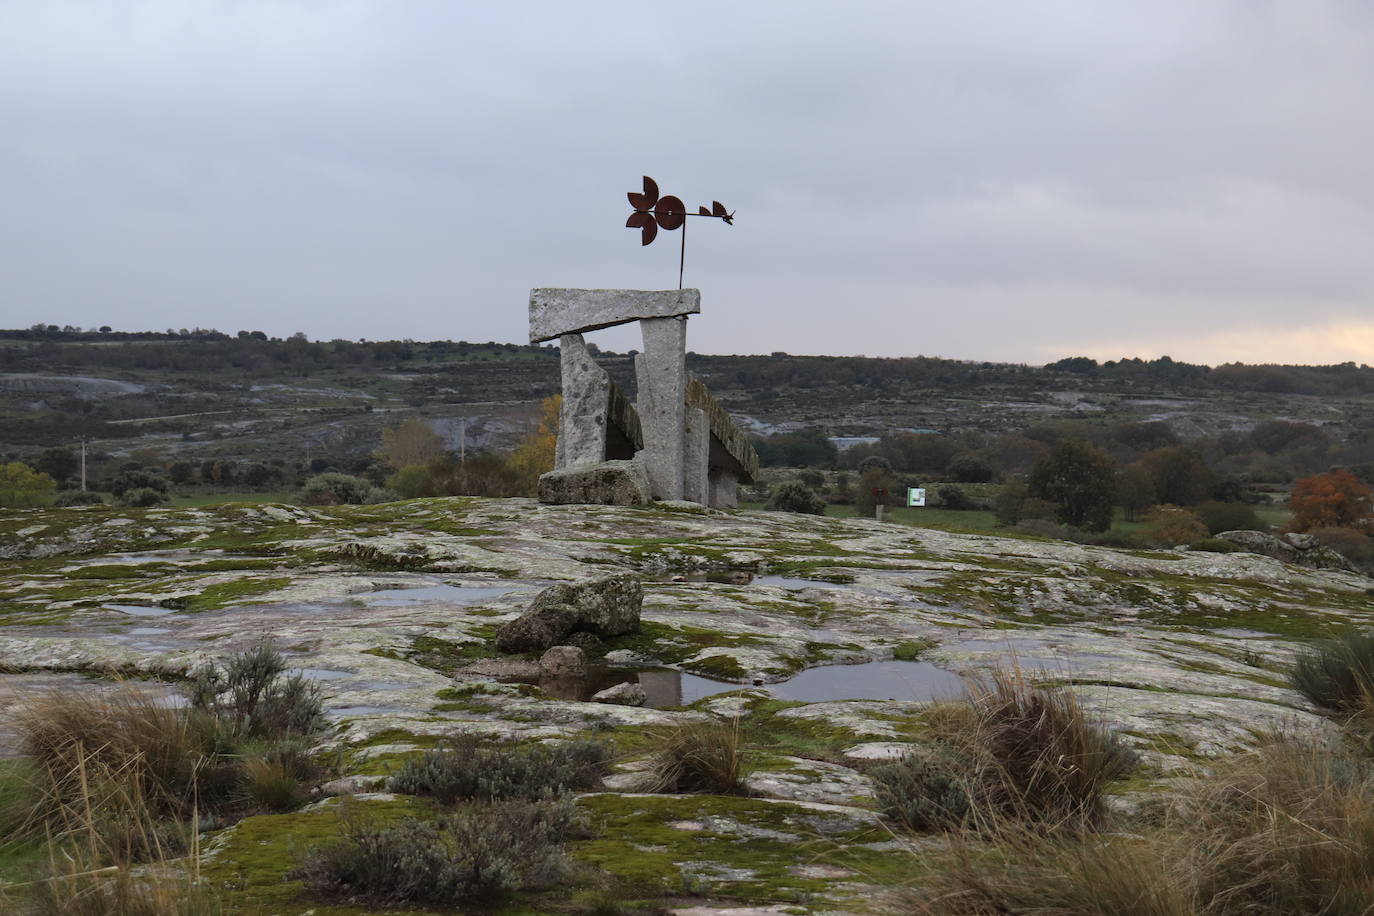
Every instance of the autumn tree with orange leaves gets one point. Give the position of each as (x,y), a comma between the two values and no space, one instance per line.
(1336,499)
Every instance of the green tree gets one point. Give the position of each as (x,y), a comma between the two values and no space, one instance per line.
(411,482)
(22,487)
(1181,477)
(1080,480)
(59,463)
(875,485)
(413,442)
(1135,489)
(1009,502)
(795,496)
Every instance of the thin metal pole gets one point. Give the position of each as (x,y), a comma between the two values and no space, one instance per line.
(682,257)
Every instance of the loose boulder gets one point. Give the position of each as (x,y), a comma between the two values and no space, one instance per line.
(625,694)
(605,606)
(610,483)
(563,662)
(537,629)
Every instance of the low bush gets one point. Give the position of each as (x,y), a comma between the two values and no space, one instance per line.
(479,853)
(1338,674)
(923,792)
(250,697)
(1167,526)
(1214,545)
(795,496)
(952,496)
(332,488)
(1236,516)
(465,768)
(78,498)
(141,498)
(702,757)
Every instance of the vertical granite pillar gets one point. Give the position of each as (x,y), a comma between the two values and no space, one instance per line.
(586,398)
(661,374)
(696,457)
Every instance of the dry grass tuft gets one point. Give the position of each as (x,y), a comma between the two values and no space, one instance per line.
(704,757)
(1011,752)
(1286,829)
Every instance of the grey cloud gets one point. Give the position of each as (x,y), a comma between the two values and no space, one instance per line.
(967,179)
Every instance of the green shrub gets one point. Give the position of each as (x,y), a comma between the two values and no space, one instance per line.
(699,757)
(332,488)
(481,852)
(952,496)
(1338,674)
(1220,516)
(795,496)
(923,792)
(141,498)
(252,699)
(465,768)
(78,498)
(1215,545)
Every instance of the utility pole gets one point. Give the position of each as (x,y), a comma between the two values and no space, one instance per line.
(83,464)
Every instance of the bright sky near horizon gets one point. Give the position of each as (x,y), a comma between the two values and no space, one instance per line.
(982,180)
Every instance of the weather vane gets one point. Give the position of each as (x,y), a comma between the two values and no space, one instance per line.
(653,212)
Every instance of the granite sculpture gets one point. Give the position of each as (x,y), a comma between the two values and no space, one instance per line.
(675,437)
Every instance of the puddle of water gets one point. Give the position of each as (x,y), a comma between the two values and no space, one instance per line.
(138,610)
(1242,633)
(453,594)
(346,712)
(796,582)
(321,674)
(148,631)
(727,577)
(893,680)
(665,687)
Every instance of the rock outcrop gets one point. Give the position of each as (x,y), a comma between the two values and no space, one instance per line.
(1298,549)
(563,662)
(604,606)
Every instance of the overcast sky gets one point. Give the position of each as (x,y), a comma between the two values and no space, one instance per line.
(1008,181)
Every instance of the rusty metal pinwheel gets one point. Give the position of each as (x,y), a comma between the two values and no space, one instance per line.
(653,212)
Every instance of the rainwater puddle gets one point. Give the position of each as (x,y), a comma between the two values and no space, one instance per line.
(149,631)
(138,610)
(892,680)
(1242,633)
(348,712)
(322,674)
(796,582)
(453,594)
(743,577)
(666,687)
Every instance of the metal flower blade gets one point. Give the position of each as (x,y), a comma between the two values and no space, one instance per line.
(653,212)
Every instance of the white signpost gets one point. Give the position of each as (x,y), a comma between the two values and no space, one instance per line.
(915,496)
